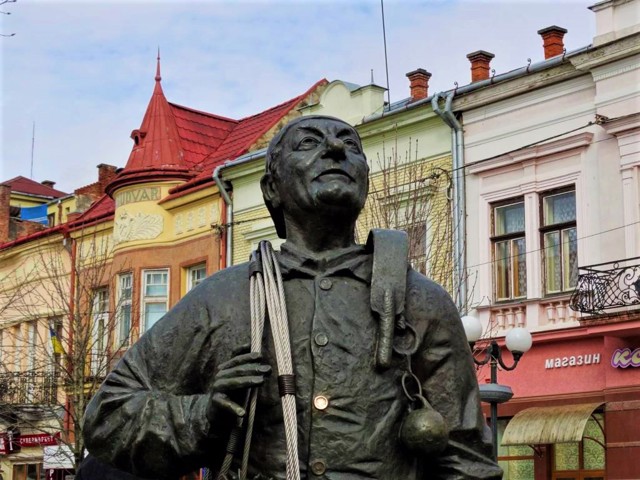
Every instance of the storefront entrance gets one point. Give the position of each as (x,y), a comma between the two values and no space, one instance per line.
(573,438)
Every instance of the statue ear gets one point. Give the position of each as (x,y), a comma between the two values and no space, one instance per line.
(270,191)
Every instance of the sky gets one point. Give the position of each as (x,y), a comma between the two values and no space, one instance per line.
(84,70)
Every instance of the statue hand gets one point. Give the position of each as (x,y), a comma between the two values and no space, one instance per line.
(240,372)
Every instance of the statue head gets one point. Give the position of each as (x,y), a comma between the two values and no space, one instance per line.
(315,166)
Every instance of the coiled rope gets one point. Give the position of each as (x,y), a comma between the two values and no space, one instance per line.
(267,293)
(279,322)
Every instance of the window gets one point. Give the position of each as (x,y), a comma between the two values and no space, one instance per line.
(56,348)
(32,346)
(509,250)
(585,459)
(28,471)
(559,239)
(517,461)
(17,349)
(155,296)
(125,289)
(195,275)
(417,234)
(99,330)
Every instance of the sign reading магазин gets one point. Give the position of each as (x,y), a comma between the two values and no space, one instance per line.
(625,357)
(572,361)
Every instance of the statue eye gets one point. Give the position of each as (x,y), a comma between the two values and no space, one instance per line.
(308,143)
(351,144)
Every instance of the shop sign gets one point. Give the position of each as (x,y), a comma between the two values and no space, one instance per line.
(9,442)
(58,457)
(572,361)
(38,439)
(138,195)
(625,357)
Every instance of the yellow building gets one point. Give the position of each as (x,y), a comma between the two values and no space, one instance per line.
(111,259)
(409,152)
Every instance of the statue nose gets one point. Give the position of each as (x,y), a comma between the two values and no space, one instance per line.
(335,148)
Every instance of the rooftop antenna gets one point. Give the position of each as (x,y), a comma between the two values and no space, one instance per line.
(386,63)
(372,82)
(33,144)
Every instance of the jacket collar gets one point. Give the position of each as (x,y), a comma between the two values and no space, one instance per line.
(353,261)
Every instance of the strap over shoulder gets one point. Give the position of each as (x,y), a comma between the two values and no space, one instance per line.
(388,285)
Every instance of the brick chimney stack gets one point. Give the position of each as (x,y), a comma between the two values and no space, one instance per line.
(419,84)
(552,40)
(106,173)
(5,198)
(480,65)
(48,183)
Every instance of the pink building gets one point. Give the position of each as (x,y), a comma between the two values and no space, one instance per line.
(551,166)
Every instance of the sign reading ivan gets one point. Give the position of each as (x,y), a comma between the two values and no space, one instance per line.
(145,194)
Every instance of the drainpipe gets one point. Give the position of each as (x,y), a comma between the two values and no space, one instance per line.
(71,245)
(459,213)
(228,218)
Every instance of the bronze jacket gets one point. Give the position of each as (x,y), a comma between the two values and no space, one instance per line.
(149,416)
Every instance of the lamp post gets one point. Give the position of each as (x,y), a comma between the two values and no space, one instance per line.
(518,341)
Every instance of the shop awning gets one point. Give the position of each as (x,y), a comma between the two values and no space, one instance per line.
(539,425)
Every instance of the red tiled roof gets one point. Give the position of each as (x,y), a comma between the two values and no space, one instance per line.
(31,187)
(102,207)
(250,129)
(200,133)
(101,210)
(157,142)
(34,236)
(242,138)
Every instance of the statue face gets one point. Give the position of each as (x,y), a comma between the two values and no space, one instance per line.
(321,169)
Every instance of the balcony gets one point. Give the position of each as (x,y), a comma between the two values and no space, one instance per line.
(606,286)
(28,388)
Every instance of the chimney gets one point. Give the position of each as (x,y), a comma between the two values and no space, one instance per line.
(106,173)
(48,183)
(552,40)
(480,67)
(419,85)
(5,198)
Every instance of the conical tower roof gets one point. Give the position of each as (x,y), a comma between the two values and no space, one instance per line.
(157,151)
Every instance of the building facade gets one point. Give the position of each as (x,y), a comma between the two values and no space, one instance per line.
(551,155)
(104,265)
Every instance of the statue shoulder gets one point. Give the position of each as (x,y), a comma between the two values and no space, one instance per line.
(426,299)
(230,278)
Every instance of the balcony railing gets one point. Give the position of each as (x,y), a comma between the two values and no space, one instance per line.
(28,388)
(607,285)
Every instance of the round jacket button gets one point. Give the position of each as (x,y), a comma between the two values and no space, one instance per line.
(320,402)
(321,339)
(318,467)
(325,284)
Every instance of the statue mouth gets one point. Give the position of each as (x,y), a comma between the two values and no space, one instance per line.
(335,172)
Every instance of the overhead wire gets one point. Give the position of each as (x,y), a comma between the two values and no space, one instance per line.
(561,243)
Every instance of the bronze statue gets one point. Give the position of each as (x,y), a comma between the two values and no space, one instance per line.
(384,384)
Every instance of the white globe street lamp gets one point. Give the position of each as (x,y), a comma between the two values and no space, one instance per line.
(518,341)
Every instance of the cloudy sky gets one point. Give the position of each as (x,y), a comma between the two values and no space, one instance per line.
(83,70)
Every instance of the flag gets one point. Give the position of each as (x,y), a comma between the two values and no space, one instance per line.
(55,341)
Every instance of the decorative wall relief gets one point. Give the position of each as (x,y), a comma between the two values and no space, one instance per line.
(139,226)
(190,220)
(195,219)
